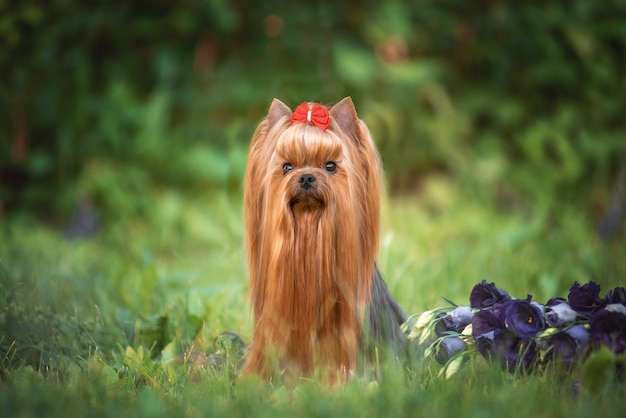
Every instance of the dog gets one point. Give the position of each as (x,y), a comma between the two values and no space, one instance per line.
(312,192)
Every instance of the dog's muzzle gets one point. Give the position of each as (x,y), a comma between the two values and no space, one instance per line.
(306,181)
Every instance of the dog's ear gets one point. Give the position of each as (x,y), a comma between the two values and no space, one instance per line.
(277,111)
(344,114)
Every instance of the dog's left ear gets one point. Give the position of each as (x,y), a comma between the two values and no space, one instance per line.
(277,111)
(344,114)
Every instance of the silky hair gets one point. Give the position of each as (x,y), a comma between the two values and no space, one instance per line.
(311,253)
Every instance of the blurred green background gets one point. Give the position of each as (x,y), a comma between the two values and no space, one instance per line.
(501,129)
(106,105)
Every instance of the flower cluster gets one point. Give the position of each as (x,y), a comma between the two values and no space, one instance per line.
(520,333)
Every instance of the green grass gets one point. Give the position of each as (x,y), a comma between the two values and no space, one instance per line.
(96,327)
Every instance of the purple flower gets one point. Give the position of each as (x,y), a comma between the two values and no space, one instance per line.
(580,334)
(441,329)
(617,295)
(609,328)
(514,353)
(616,307)
(448,348)
(570,344)
(485,325)
(486,294)
(487,321)
(510,351)
(555,301)
(539,306)
(523,318)
(585,299)
(458,318)
(559,315)
(485,344)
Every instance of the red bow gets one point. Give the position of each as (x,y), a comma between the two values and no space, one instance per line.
(316,115)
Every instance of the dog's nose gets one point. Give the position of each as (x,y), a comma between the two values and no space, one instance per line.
(306,181)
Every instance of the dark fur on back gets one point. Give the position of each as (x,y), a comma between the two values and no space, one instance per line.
(385,320)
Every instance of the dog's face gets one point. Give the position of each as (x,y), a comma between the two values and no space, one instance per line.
(310,169)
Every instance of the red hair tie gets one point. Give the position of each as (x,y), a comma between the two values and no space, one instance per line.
(316,115)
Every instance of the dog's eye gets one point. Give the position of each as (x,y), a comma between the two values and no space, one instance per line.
(330,166)
(287,167)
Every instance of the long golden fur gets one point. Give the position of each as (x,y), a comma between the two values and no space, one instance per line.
(312,250)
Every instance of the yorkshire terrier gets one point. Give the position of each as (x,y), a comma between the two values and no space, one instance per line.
(312,193)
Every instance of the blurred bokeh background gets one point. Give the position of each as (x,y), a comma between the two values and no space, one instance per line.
(104,105)
(501,126)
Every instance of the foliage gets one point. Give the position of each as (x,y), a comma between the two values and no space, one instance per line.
(107,101)
(127,321)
